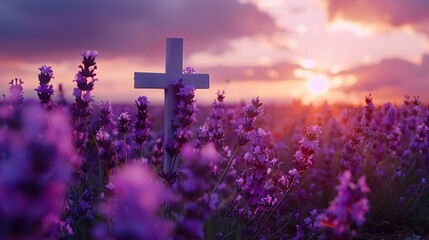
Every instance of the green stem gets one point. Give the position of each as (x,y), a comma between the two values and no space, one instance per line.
(244,226)
(125,149)
(141,152)
(275,207)
(232,232)
(279,230)
(100,168)
(49,120)
(311,236)
(226,169)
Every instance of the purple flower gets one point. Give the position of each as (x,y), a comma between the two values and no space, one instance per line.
(212,130)
(34,174)
(196,203)
(188,70)
(45,75)
(254,108)
(186,115)
(133,209)
(16,98)
(83,83)
(106,114)
(82,107)
(299,233)
(45,93)
(171,147)
(124,122)
(106,149)
(87,54)
(303,158)
(347,210)
(142,124)
(157,152)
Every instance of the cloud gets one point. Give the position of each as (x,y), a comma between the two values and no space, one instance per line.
(47,29)
(393,78)
(385,13)
(278,72)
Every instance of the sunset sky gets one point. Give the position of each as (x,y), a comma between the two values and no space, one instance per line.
(313,50)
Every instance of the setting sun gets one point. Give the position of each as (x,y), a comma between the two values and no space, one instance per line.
(318,84)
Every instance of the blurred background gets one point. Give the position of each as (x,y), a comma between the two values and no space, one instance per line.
(281,50)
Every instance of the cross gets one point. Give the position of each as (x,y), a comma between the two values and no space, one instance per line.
(173,70)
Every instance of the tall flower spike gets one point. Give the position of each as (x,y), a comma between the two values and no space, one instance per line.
(252,110)
(46,74)
(186,112)
(45,91)
(85,78)
(82,107)
(142,125)
(303,158)
(106,115)
(124,122)
(89,64)
(16,98)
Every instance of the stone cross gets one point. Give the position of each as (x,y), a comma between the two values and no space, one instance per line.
(173,70)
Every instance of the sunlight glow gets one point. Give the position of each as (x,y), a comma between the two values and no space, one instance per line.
(318,84)
(307,63)
(357,29)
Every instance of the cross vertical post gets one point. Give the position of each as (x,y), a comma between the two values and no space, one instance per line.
(173,65)
(173,71)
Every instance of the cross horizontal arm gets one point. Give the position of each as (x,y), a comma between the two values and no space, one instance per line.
(162,80)
(150,80)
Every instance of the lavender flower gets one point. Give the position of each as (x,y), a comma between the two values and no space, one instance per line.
(367,117)
(107,151)
(274,186)
(196,203)
(106,115)
(303,158)
(420,141)
(85,78)
(82,82)
(45,91)
(252,110)
(346,211)
(124,122)
(186,115)
(142,124)
(34,175)
(82,107)
(157,152)
(16,98)
(212,130)
(188,70)
(46,74)
(132,210)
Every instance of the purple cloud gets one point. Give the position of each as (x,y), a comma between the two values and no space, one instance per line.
(399,76)
(391,13)
(47,29)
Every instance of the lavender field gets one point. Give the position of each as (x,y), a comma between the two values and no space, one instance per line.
(83,169)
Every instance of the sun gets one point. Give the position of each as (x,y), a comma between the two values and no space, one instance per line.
(318,84)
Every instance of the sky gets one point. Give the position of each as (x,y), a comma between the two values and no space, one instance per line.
(280,50)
